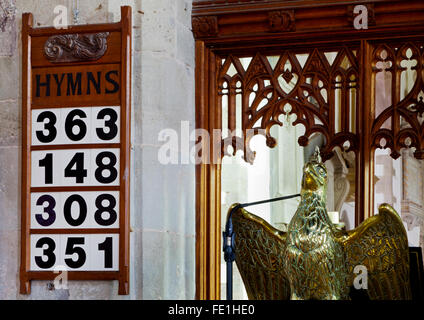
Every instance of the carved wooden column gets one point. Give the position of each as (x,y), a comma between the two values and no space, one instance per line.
(208,178)
(365,159)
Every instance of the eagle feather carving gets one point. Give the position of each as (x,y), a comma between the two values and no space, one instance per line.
(314,259)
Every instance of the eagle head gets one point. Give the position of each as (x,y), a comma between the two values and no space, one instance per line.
(315,175)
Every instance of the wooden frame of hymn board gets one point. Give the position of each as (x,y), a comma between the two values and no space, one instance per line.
(76,113)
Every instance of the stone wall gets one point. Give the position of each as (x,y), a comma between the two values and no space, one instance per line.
(162,197)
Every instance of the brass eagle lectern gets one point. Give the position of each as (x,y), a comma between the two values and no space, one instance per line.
(314,259)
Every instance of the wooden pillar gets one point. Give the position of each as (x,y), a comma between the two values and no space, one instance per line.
(27,24)
(208,181)
(364,192)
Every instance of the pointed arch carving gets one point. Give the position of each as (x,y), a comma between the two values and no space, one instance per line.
(301,83)
(401,124)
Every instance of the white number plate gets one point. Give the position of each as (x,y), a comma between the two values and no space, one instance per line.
(78,210)
(94,167)
(75,126)
(82,252)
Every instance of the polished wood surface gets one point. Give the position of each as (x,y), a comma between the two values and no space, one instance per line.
(74,231)
(125,156)
(252,19)
(27,23)
(75,88)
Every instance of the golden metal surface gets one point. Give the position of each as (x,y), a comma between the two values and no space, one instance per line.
(314,259)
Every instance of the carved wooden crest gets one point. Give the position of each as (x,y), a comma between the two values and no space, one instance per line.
(76,47)
(205,26)
(281,21)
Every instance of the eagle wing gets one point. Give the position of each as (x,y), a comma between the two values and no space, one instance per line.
(259,251)
(380,244)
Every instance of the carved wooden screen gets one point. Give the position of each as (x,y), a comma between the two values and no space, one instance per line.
(268,58)
(319,86)
(399,121)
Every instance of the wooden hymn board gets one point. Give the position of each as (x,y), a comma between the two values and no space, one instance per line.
(76,103)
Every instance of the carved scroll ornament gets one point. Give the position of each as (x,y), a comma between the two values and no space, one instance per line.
(205,26)
(280,21)
(76,47)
